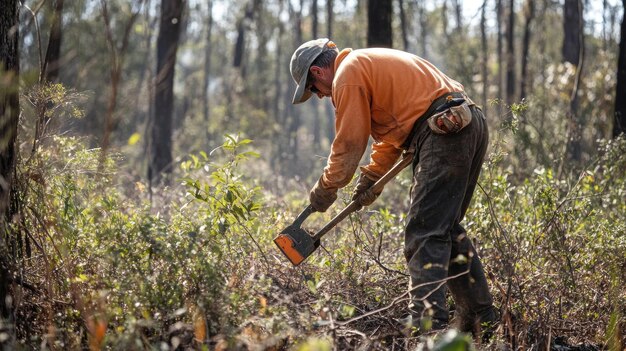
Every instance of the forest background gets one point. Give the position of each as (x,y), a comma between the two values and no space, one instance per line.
(150,153)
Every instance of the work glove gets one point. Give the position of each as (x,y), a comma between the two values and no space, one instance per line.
(361,193)
(321,198)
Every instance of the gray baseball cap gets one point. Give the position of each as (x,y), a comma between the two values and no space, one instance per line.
(301,61)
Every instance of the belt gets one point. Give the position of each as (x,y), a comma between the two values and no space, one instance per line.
(431,110)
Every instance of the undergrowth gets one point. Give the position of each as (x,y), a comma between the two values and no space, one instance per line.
(100,262)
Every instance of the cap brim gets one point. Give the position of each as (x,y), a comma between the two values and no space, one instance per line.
(301,95)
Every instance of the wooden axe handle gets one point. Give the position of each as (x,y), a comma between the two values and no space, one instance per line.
(407,158)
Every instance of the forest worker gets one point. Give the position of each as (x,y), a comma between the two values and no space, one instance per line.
(390,95)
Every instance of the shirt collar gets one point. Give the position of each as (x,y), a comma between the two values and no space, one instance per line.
(341,56)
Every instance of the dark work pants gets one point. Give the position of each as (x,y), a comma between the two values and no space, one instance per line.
(445,173)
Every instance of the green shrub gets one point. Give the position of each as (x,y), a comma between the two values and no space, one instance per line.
(555,246)
(105,259)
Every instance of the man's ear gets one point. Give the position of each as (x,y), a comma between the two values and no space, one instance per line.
(316,71)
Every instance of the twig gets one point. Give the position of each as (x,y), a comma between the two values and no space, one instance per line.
(509,265)
(404,297)
(376,257)
(267,264)
(552,223)
(19,281)
(389,270)
(354,331)
(37,30)
(494,217)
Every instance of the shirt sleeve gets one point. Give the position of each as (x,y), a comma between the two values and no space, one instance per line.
(383,157)
(352,128)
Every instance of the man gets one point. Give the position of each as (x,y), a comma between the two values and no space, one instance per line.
(404,102)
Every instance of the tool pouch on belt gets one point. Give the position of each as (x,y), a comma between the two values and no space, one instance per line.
(451,117)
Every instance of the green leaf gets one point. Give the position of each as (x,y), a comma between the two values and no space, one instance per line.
(311,285)
(134,139)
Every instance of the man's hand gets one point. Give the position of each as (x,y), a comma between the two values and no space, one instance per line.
(361,194)
(321,198)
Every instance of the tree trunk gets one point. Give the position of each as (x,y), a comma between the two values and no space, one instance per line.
(611,25)
(290,121)
(605,6)
(574,140)
(207,76)
(294,143)
(444,20)
(9,102)
(9,117)
(572,31)
(330,112)
(620,90)
(499,50)
(457,14)
(542,44)
(161,128)
(239,44)
(423,20)
(257,87)
(510,55)
(146,74)
(314,19)
(379,33)
(53,53)
(242,24)
(117,64)
(529,12)
(485,53)
(329,18)
(317,127)
(403,26)
(51,66)
(278,145)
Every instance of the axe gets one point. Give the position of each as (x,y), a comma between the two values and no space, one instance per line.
(297,244)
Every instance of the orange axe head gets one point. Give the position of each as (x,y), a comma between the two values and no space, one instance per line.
(295,242)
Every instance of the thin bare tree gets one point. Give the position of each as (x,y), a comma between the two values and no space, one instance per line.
(52,61)
(485,53)
(9,117)
(499,51)
(160,154)
(278,113)
(242,27)
(510,55)
(117,55)
(317,127)
(379,30)
(330,125)
(574,52)
(571,29)
(403,26)
(292,118)
(206,112)
(619,127)
(529,14)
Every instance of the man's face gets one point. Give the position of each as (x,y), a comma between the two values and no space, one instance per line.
(320,81)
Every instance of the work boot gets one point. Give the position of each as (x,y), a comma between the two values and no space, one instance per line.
(462,322)
(487,323)
(431,325)
(413,326)
(482,327)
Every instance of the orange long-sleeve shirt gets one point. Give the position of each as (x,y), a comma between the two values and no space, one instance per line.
(378,92)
